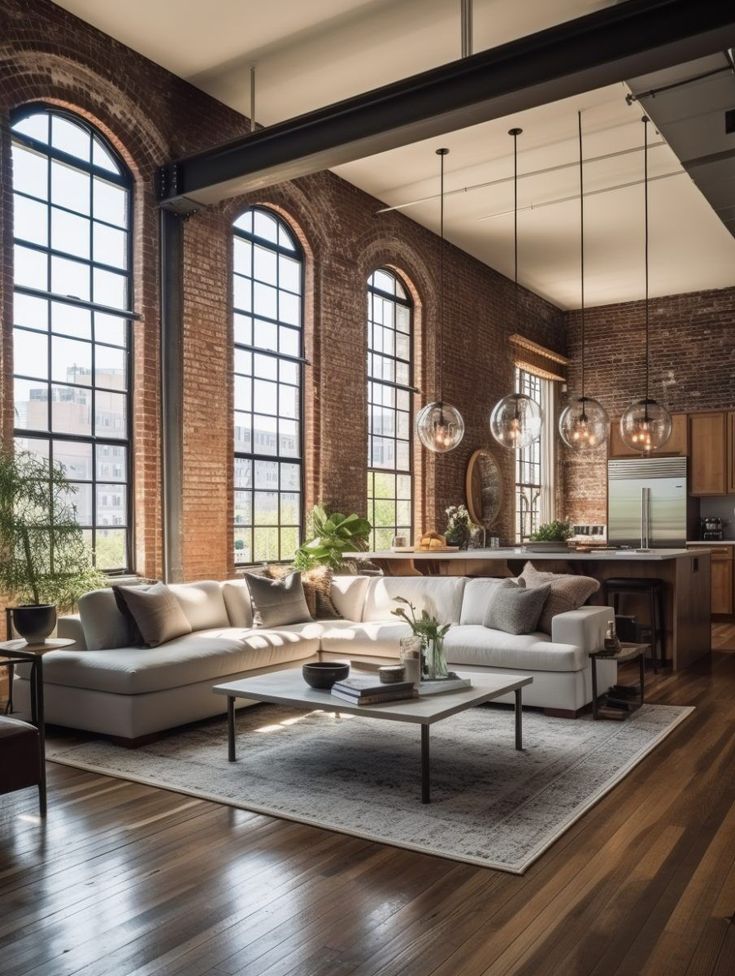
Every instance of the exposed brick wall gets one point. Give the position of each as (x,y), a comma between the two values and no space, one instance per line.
(151,116)
(692,368)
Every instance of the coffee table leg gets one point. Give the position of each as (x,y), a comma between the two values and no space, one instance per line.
(519,717)
(230,728)
(425,765)
(41,724)
(594,686)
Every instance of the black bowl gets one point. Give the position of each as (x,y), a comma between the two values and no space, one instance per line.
(323,674)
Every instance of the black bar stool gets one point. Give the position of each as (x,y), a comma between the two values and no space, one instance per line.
(655,591)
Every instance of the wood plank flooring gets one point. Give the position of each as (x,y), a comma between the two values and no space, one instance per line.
(130,880)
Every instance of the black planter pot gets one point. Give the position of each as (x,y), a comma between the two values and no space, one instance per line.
(34,623)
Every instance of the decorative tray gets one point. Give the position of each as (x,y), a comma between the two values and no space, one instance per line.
(440,549)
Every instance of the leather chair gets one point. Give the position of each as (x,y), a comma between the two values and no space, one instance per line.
(20,759)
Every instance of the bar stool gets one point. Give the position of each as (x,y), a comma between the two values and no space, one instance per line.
(655,591)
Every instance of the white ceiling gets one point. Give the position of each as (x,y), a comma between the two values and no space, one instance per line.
(311,54)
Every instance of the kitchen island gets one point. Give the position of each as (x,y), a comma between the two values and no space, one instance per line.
(685,572)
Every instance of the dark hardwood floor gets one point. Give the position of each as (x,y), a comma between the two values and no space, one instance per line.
(126,879)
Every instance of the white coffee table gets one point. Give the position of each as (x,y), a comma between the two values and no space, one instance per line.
(289,688)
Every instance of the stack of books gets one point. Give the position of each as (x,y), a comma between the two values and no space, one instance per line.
(370,691)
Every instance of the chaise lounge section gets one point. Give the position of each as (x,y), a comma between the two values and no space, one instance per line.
(102,684)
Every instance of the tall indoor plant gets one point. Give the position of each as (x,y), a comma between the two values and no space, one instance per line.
(331,536)
(45,563)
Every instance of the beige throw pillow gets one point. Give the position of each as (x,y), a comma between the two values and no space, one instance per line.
(277,602)
(156,612)
(567,592)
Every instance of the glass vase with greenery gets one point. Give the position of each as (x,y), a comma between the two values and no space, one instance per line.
(45,563)
(431,633)
(459,524)
(331,535)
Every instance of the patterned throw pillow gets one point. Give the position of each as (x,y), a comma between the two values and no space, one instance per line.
(515,609)
(566,592)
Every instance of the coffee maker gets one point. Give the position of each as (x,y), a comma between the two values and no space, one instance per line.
(710,528)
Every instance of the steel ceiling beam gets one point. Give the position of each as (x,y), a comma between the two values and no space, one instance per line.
(611,45)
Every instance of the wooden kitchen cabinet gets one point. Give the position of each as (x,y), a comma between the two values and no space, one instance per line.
(722,577)
(731,452)
(710,470)
(677,444)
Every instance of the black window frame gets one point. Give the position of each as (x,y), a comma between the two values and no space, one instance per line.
(125,180)
(299,361)
(408,388)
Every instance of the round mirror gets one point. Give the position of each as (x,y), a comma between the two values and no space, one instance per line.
(484,488)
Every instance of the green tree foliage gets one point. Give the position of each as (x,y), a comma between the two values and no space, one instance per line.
(43,555)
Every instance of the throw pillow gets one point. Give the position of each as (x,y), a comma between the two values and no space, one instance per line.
(277,602)
(568,592)
(156,612)
(317,583)
(515,609)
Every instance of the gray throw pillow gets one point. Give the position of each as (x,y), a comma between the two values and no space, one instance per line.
(156,612)
(567,592)
(515,609)
(277,602)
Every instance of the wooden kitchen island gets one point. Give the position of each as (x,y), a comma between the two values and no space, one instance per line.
(685,572)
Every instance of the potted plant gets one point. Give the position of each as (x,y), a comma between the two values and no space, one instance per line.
(45,564)
(431,634)
(458,526)
(331,536)
(550,537)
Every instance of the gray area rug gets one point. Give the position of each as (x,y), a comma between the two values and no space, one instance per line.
(491,805)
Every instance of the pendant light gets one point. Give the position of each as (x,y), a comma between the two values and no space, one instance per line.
(584,424)
(439,425)
(646,425)
(515,421)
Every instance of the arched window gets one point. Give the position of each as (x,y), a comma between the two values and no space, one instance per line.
(72,307)
(268,287)
(390,380)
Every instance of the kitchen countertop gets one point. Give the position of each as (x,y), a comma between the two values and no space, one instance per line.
(517,552)
(711,542)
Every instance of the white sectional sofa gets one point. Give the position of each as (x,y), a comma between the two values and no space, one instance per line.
(101,685)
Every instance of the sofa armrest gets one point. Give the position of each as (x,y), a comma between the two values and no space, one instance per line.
(585,628)
(70,627)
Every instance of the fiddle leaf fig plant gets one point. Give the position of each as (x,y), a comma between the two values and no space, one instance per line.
(44,558)
(331,536)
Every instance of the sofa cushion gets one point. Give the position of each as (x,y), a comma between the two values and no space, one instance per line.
(237,600)
(202,603)
(348,595)
(201,656)
(567,592)
(277,602)
(476,599)
(156,611)
(477,645)
(103,624)
(514,609)
(440,596)
(371,638)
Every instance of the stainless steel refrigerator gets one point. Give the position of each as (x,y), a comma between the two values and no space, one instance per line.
(647,503)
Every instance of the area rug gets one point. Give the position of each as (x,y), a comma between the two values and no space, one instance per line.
(491,805)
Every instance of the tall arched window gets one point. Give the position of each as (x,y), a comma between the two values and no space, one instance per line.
(390,380)
(72,307)
(268,291)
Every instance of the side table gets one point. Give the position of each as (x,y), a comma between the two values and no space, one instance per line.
(619,695)
(21,652)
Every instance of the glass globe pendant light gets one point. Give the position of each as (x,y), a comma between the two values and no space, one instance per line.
(584,424)
(515,421)
(439,425)
(645,425)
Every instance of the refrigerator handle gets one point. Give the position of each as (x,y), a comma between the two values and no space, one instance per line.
(645,516)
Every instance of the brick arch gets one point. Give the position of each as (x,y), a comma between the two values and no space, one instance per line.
(53,80)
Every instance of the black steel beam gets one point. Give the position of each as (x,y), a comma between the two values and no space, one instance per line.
(611,45)
(172,384)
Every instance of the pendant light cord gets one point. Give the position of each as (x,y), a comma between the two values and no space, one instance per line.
(515,133)
(441,153)
(581,246)
(645,120)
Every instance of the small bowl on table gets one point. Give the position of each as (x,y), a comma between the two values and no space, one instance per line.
(323,674)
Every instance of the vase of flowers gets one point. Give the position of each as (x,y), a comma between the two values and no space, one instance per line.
(431,633)
(458,529)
